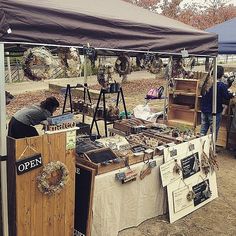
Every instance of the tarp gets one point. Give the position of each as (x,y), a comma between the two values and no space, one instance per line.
(227,36)
(104,24)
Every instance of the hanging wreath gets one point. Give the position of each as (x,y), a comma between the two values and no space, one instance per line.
(70,59)
(36,63)
(178,70)
(53,178)
(104,75)
(101,78)
(122,65)
(156,65)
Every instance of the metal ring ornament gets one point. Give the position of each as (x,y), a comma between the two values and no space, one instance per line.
(43,179)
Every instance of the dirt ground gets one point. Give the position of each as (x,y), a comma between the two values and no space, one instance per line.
(216,218)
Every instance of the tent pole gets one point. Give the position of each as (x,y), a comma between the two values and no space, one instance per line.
(85,70)
(165,99)
(3,145)
(214,100)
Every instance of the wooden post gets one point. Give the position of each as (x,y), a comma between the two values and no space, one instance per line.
(9,67)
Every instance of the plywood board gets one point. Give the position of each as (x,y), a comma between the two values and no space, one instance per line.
(190,177)
(36,213)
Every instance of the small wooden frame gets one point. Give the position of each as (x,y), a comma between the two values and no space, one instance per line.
(101,160)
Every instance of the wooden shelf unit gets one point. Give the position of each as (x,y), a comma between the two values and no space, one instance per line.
(183,103)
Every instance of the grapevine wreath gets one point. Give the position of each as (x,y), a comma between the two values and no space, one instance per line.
(46,180)
(122,65)
(70,59)
(36,63)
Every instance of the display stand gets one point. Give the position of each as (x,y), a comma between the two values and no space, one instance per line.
(32,212)
(68,95)
(102,96)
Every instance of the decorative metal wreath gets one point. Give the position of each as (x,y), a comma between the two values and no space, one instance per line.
(36,63)
(122,65)
(46,180)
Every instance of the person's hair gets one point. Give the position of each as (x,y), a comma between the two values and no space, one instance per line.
(220,71)
(49,104)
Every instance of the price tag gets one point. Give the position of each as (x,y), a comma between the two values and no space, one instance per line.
(173,153)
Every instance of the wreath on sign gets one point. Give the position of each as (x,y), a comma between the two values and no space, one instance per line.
(122,65)
(36,63)
(53,178)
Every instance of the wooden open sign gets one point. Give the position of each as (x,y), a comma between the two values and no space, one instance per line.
(29,163)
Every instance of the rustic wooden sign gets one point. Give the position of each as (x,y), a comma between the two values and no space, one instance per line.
(29,163)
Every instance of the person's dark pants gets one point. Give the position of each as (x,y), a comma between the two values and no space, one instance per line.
(17,129)
(207,122)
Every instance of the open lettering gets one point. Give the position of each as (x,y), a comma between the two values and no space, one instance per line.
(28,164)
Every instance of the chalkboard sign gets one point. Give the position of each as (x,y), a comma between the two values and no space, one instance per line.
(29,163)
(202,192)
(84,183)
(190,165)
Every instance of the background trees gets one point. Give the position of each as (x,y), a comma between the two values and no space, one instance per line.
(200,15)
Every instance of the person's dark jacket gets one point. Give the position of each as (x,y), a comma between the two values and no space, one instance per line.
(222,94)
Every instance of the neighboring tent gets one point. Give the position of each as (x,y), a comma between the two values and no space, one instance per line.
(106,24)
(227,36)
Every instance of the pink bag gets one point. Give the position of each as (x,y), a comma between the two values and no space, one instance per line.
(155,93)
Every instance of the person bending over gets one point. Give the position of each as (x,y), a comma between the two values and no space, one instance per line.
(206,104)
(23,121)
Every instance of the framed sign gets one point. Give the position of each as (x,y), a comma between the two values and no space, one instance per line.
(202,192)
(190,165)
(29,163)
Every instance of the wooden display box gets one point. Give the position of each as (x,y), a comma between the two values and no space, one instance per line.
(231,140)
(180,116)
(185,86)
(129,126)
(132,159)
(96,159)
(31,212)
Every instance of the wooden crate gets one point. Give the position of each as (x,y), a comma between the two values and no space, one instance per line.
(32,213)
(231,140)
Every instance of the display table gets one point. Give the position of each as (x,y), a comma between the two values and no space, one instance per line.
(117,206)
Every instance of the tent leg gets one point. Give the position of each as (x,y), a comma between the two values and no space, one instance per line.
(3,145)
(85,69)
(214,101)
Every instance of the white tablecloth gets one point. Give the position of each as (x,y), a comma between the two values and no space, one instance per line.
(118,206)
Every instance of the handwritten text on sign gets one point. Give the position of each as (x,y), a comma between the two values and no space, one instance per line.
(28,163)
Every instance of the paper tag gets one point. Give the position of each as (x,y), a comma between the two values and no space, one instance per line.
(173,153)
(184,53)
(152,164)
